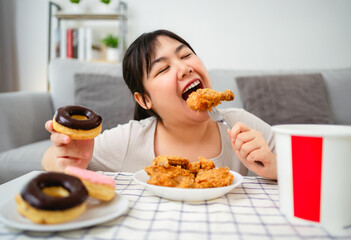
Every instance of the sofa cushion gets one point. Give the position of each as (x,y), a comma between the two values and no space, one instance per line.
(284,99)
(338,82)
(16,162)
(107,95)
(22,116)
(339,88)
(61,77)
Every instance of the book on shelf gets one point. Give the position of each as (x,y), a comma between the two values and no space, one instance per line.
(69,43)
(81,43)
(57,43)
(63,37)
(88,44)
(74,43)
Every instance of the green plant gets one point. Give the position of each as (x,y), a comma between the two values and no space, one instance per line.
(110,41)
(105,1)
(74,1)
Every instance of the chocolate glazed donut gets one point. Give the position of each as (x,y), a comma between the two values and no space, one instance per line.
(64,117)
(32,193)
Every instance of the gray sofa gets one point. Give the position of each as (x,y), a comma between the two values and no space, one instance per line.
(23,138)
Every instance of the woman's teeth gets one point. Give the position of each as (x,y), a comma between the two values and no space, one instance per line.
(194,84)
(191,88)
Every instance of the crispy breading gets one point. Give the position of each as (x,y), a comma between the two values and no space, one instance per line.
(216,177)
(166,161)
(170,177)
(193,167)
(200,174)
(206,164)
(206,98)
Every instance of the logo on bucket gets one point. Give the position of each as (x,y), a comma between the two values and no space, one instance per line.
(307,176)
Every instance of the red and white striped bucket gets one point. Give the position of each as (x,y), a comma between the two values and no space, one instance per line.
(314,173)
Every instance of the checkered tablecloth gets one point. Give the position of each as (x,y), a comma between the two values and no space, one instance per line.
(250,211)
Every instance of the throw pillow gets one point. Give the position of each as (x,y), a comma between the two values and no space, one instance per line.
(286,99)
(106,95)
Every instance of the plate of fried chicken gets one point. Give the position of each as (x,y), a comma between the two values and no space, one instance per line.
(176,178)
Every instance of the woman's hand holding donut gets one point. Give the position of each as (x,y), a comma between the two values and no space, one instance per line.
(253,151)
(66,151)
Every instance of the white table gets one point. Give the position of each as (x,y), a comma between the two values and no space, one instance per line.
(250,211)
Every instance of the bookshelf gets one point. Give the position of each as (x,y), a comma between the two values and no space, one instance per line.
(93,16)
(56,12)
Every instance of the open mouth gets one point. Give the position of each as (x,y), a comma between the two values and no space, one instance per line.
(191,88)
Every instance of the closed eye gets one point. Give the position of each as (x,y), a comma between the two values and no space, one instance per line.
(186,56)
(162,70)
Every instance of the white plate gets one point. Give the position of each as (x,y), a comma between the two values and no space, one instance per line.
(187,194)
(94,214)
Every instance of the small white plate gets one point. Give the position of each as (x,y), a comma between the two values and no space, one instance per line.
(187,194)
(93,215)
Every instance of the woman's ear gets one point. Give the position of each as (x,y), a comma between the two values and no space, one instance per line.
(139,98)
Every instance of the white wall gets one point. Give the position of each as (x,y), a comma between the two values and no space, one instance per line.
(240,34)
(30,23)
(254,34)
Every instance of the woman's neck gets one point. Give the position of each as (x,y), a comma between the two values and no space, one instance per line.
(185,133)
(191,141)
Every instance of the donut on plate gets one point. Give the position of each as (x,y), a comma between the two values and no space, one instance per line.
(98,185)
(52,198)
(77,122)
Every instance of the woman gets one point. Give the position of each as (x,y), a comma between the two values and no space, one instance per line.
(161,70)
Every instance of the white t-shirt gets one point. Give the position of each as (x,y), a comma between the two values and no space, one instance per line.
(130,147)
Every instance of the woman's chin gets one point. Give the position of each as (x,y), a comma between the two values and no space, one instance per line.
(203,115)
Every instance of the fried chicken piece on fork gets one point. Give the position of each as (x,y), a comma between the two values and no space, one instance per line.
(206,98)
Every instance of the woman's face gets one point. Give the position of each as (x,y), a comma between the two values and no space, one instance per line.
(175,72)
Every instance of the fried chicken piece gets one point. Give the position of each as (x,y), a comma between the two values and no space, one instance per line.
(166,161)
(170,177)
(206,164)
(206,98)
(194,167)
(216,177)
(175,171)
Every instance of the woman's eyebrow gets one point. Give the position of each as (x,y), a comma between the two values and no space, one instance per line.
(157,61)
(179,48)
(164,58)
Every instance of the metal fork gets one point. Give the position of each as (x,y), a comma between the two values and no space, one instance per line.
(217,117)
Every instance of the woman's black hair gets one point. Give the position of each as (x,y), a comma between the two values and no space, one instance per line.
(137,59)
